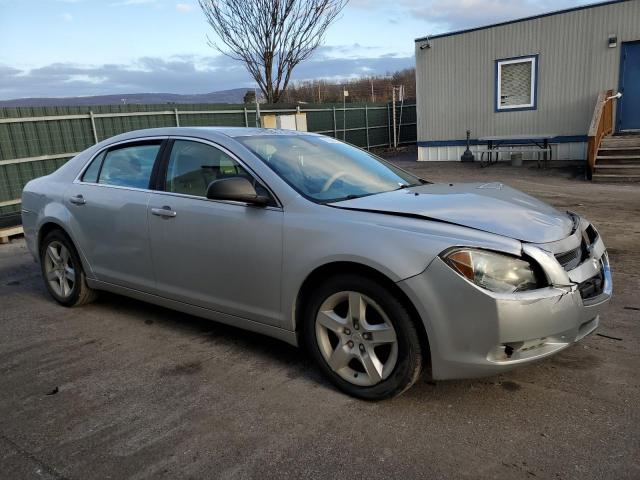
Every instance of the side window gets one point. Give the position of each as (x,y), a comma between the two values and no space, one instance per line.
(91,174)
(193,166)
(129,166)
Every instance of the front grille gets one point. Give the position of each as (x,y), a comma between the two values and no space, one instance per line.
(571,259)
(592,287)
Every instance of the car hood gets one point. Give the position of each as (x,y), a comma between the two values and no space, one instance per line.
(490,207)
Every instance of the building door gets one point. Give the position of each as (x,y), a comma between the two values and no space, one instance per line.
(629,104)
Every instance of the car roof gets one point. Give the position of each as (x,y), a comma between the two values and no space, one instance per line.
(211,133)
(252,131)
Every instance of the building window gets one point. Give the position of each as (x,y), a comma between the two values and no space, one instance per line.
(516,83)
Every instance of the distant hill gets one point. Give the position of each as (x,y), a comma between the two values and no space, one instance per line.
(235,95)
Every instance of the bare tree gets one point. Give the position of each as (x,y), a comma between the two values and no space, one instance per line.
(271,37)
(249,97)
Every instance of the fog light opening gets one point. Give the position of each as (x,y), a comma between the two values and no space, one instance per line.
(508,350)
(513,347)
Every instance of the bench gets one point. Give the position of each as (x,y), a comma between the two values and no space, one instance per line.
(509,149)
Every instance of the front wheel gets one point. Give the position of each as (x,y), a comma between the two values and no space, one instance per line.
(62,271)
(362,337)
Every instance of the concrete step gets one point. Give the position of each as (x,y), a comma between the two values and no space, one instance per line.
(611,178)
(618,169)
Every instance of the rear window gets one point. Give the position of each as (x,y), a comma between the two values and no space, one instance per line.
(129,166)
(91,174)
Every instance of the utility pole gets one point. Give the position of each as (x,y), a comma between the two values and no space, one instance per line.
(393,107)
(373,95)
(401,92)
(345,94)
(258,120)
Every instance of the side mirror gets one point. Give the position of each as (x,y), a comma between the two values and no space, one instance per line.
(237,189)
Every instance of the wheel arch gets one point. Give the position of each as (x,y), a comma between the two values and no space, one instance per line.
(49,226)
(322,272)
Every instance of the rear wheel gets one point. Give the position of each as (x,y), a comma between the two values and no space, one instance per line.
(362,337)
(62,271)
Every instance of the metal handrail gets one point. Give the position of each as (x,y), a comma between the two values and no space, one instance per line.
(601,126)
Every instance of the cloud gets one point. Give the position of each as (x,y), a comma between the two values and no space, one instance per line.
(131,2)
(6,70)
(466,13)
(66,17)
(184,7)
(178,74)
(446,15)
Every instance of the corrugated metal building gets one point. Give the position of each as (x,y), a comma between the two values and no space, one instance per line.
(532,76)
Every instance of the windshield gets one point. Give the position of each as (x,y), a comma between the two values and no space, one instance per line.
(326,170)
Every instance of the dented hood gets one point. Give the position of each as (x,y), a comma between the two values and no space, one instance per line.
(490,207)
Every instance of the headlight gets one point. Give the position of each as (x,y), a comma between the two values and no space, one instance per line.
(493,271)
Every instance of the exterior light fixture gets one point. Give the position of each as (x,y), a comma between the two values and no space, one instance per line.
(613,41)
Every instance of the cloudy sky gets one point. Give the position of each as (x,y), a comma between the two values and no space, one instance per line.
(92,47)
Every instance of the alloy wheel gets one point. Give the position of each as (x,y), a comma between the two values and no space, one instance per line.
(59,269)
(356,338)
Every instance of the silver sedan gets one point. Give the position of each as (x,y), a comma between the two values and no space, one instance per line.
(376,272)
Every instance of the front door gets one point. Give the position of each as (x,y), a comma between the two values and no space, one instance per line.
(629,104)
(225,256)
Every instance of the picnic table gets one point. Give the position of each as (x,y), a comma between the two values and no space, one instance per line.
(502,143)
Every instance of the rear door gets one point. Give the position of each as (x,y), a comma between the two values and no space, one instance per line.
(629,104)
(108,205)
(221,255)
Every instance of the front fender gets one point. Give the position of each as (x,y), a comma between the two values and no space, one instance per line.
(397,247)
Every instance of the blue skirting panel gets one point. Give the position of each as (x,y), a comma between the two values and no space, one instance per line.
(459,143)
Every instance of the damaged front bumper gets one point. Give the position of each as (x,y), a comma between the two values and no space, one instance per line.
(474,332)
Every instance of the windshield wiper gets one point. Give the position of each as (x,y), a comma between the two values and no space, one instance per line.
(405,185)
(348,197)
(409,185)
(352,196)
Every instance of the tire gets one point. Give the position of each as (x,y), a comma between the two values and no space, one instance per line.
(65,282)
(357,351)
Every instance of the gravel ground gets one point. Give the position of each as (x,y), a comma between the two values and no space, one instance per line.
(123,389)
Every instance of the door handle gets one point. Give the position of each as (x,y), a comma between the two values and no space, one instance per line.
(78,200)
(165,212)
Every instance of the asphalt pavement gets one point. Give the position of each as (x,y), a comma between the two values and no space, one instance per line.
(123,389)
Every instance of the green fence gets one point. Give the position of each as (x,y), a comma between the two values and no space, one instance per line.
(37,141)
